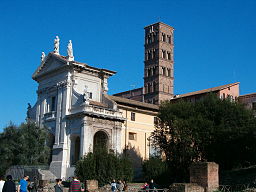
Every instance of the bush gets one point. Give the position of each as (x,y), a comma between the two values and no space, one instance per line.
(104,167)
(156,169)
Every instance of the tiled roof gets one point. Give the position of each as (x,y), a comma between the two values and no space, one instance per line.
(249,95)
(134,103)
(214,89)
(98,104)
(129,91)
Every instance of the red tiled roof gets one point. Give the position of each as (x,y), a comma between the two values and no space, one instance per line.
(97,104)
(249,95)
(134,103)
(214,89)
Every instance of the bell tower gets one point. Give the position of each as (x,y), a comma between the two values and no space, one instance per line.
(158,63)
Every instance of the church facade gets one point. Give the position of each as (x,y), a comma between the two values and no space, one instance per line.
(72,102)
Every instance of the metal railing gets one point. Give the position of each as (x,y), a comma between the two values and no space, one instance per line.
(235,188)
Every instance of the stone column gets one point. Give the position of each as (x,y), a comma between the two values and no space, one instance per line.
(117,137)
(205,174)
(86,137)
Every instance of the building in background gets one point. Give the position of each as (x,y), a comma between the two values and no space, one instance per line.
(229,91)
(158,66)
(249,101)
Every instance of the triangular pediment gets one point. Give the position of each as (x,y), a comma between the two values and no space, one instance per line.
(50,63)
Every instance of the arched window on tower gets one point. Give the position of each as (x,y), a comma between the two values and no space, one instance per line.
(149,72)
(168,55)
(163,37)
(149,55)
(169,39)
(164,71)
(149,88)
(154,86)
(168,72)
(154,53)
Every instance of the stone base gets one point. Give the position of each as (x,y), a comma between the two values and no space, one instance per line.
(55,168)
(185,187)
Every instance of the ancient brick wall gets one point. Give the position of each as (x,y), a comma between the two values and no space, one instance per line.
(205,174)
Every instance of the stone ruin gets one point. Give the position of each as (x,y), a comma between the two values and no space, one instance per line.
(204,177)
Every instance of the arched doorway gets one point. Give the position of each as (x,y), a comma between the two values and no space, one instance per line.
(100,141)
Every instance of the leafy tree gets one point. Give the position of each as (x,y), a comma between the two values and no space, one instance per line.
(104,167)
(23,145)
(208,130)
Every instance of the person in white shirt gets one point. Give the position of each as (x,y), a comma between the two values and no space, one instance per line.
(1,183)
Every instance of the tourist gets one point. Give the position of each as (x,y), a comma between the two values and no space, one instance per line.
(145,186)
(1,183)
(75,185)
(9,185)
(152,185)
(120,185)
(58,187)
(113,185)
(30,185)
(125,186)
(22,187)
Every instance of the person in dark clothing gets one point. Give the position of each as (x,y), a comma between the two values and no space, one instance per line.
(58,187)
(152,185)
(9,185)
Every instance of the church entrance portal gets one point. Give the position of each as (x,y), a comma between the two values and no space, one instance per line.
(100,141)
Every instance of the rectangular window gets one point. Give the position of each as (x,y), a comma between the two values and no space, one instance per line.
(132,136)
(132,116)
(254,106)
(53,103)
(155,120)
(90,95)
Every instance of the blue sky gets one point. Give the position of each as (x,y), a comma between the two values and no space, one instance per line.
(215,43)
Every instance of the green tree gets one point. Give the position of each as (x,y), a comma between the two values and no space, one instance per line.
(208,130)
(104,167)
(24,145)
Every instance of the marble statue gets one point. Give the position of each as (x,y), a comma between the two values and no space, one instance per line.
(42,56)
(57,45)
(70,49)
(86,95)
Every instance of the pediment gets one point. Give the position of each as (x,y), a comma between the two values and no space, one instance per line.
(50,63)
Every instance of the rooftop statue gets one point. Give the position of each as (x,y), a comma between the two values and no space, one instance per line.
(42,57)
(70,51)
(57,45)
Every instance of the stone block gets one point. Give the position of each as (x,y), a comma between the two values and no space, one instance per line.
(43,183)
(185,187)
(91,185)
(205,174)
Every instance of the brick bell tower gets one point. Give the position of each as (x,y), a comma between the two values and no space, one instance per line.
(158,63)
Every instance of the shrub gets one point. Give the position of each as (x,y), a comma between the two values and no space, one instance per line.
(156,169)
(104,167)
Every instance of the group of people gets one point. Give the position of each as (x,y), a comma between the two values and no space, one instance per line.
(75,185)
(9,185)
(151,186)
(119,185)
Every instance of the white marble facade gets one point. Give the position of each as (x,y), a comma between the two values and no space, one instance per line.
(73,103)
